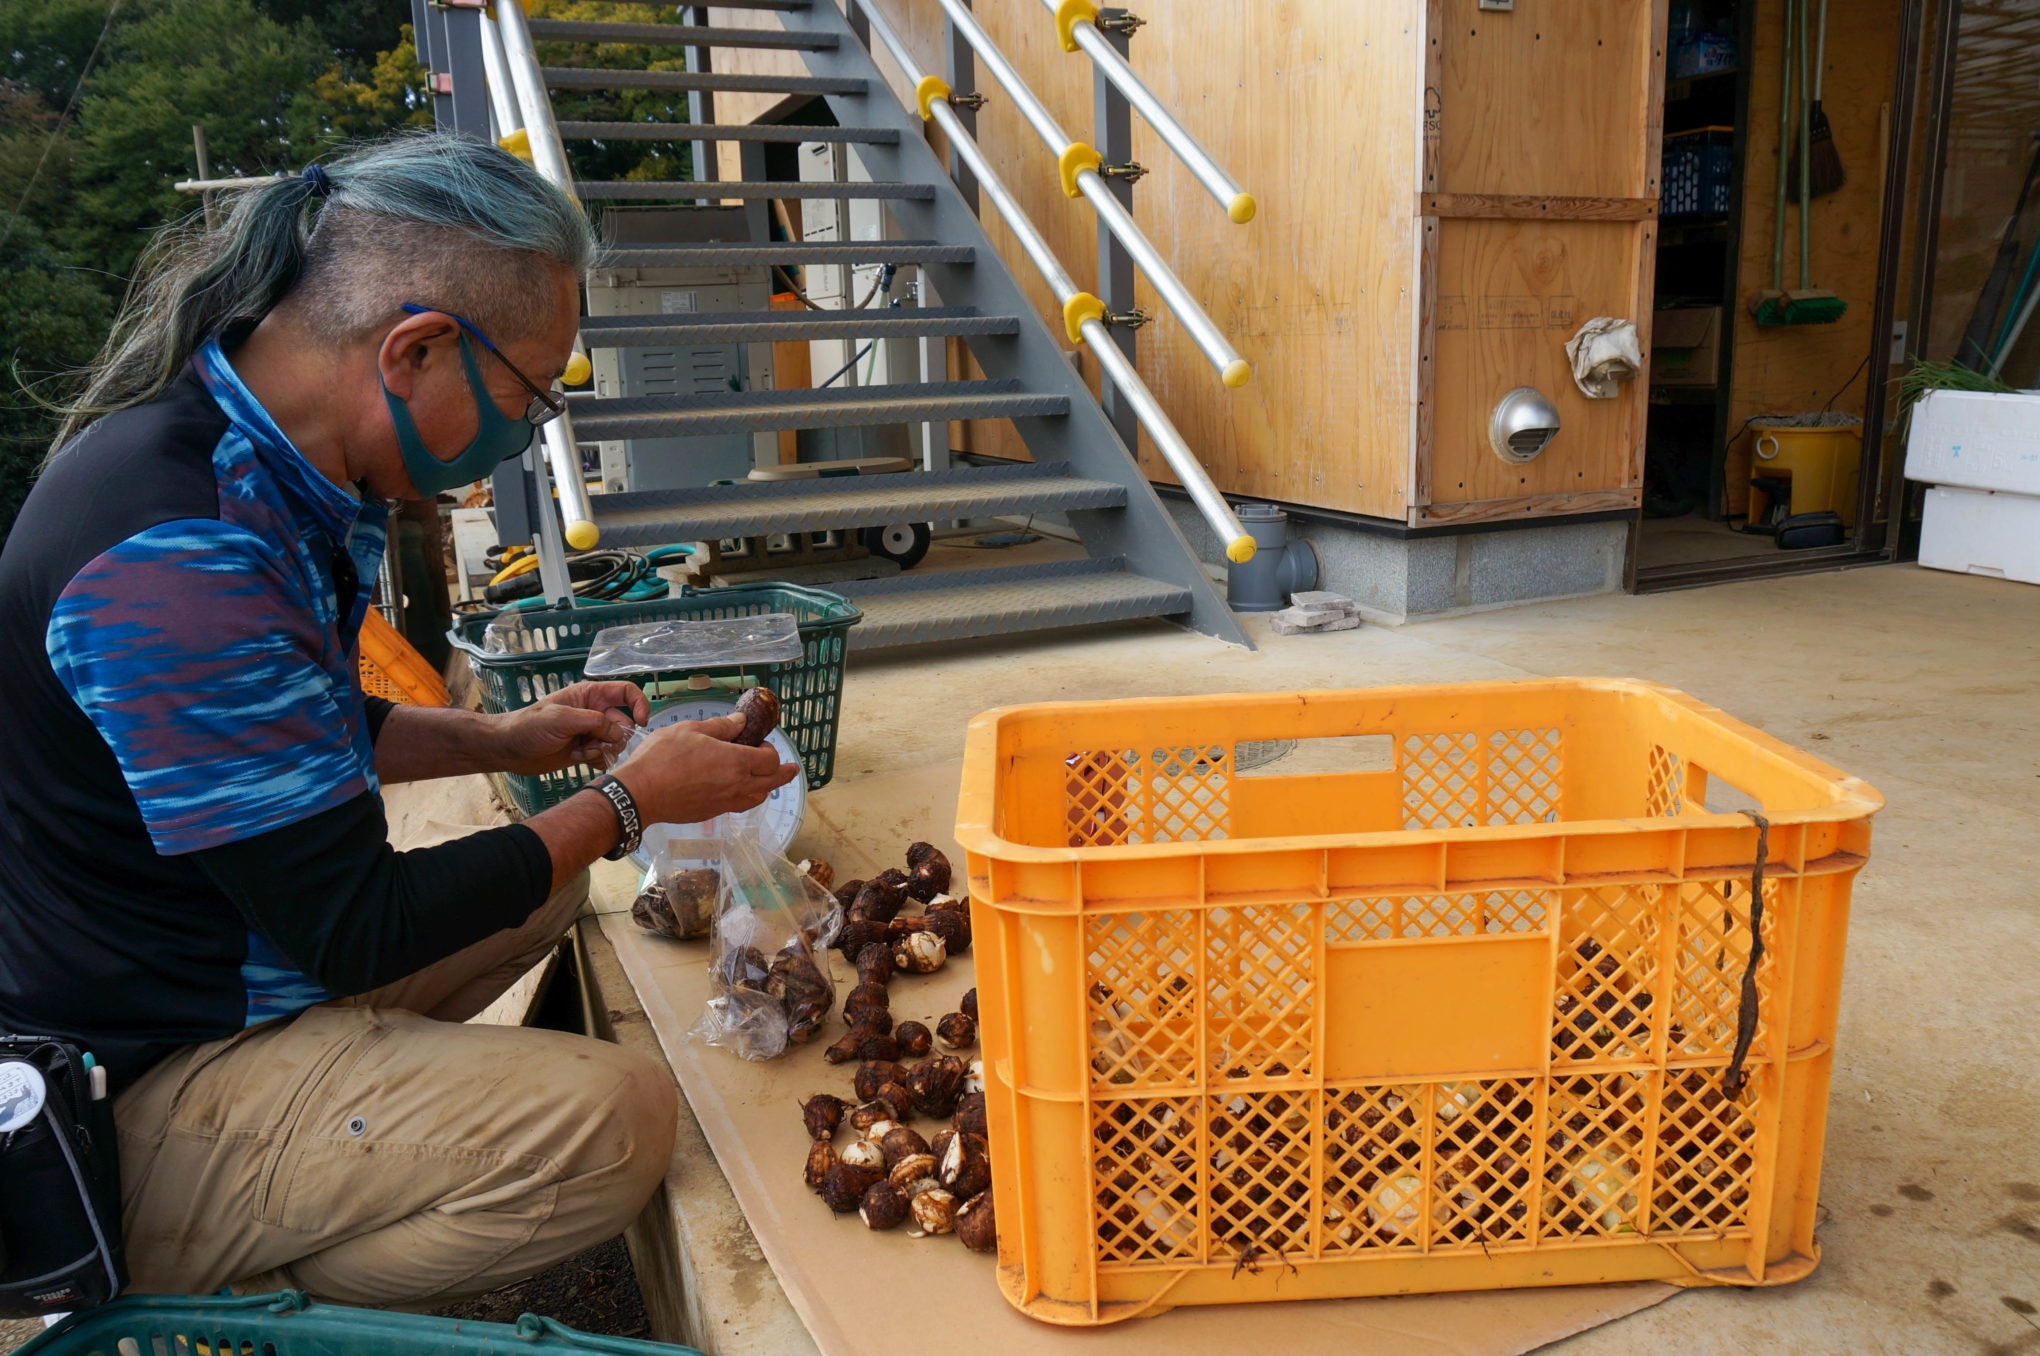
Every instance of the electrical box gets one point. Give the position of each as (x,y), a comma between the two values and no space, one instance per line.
(677,463)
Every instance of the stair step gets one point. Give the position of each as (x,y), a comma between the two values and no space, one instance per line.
(578,77)
(678,35)
(758,508)
(914,609)
(659,190)
(758,327)
(613,130)
(716,253)
(786,5)
(597,419)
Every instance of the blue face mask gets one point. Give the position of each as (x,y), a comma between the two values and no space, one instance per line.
(496,439)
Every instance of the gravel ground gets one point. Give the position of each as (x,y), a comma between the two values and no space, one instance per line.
(596,1292)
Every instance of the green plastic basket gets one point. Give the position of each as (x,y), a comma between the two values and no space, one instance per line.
(289,1324)
(810,688)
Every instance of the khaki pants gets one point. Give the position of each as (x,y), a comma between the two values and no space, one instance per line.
(376,1151)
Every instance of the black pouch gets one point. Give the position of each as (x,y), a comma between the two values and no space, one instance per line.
(59,1182)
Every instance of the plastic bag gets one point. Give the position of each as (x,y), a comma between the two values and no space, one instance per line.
(673,646)
(682,888)
(769,982)
(507,633)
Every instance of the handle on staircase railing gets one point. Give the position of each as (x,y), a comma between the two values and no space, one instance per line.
(549,156)
(1083,314)
(1079,164)
(1075,25)
(502,94)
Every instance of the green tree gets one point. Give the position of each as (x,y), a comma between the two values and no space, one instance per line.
(52,318)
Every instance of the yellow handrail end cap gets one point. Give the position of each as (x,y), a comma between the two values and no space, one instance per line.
(1079,308)
(927,90)
(578,368)
(518,143)
(583,535)
(1236,373)
(1074,160)
(1068,15)
(1241,209)
(1240,550)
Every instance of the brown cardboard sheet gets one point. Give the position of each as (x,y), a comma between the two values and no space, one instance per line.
(884,1294)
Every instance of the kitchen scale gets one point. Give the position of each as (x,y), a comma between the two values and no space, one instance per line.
(778,819)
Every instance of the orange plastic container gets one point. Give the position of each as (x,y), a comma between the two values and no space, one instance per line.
(392,668)
(1441,995)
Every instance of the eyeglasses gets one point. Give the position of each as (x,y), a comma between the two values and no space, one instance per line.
(545,406)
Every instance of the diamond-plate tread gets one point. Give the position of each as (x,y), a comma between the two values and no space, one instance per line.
(600,77)
(762,411)
(616,130)
(720,254)
(660,190)
(750,509)
(914,609)
(757,327)
(678,35)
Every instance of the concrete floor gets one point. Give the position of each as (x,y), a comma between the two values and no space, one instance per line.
(1692,540)
(1924,684)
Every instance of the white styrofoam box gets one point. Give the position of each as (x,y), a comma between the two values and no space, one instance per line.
(1982,532)
(1980,440)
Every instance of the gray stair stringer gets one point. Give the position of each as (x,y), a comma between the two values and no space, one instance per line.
(757,327)
(915,609)
(671,416)
(756,508)
(1142,533)
(720,255)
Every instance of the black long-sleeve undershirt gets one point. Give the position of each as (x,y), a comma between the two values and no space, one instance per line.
(353,914)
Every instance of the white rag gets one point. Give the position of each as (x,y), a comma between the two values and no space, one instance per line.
(1605,353)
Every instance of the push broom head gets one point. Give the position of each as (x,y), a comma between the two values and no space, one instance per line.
(1811,306)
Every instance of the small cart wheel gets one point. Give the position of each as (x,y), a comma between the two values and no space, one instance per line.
(904,543)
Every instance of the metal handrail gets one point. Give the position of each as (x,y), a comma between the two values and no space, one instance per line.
(1085,321)
(502,94)
(1077,30)
(1080,163)
(549,157)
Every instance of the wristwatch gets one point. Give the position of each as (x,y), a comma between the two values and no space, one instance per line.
(630,829)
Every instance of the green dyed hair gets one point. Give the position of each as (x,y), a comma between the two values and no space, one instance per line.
(428,217)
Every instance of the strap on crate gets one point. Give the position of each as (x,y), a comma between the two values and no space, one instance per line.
(1734,1078)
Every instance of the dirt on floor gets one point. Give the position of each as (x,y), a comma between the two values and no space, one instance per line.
(596,1292)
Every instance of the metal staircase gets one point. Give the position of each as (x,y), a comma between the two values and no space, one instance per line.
(1139,563)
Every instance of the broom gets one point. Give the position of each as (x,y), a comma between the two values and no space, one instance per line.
(1827,161)
(1808,305)
(1767,305)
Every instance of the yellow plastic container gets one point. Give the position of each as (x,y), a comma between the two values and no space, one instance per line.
(1445,1002)
(1822,464)
(392,668)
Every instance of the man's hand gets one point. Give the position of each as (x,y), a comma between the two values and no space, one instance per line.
(689,771)
(579,724)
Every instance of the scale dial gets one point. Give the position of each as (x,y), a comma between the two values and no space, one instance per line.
(780,815)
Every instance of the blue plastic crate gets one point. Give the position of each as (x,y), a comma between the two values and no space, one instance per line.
(1694,178)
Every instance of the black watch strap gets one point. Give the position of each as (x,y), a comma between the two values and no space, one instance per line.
(630,829)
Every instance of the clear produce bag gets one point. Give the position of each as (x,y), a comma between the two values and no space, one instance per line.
(682,888)
(768,973)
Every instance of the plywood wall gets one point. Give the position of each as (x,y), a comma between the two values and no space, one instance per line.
(1792,369)
(1313,106)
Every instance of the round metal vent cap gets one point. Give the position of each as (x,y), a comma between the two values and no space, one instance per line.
(1522,425)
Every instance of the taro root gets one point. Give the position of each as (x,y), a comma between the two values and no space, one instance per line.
(929,877)
(939,1146)
(846,893)
(951,925)
(894,882)
(869,1005)
(821,1114)
(914,1038)
(651,911)
(900,1143)
(969,1004)
(745,968)
(859,933)
(844,1185)
(918,852)
(682,905)
(902,928)
(867,1114)
(948,903)
(896,1096)
(863,1153)
(874,904)
(922,953)
(818,871)
(805,1018)
(957,1031)
(913,1170)
(874,1074)
(884,1206)
(974,1225)
(877,1045)
(965,1166)
(820,1158)
(793,976)
(935,1085)
(759,706)
(874,963)
(970,1115)
(854,1045)
(934,1212)
(974,1077)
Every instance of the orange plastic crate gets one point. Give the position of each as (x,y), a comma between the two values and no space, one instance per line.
(392,668)
(1453,1013)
